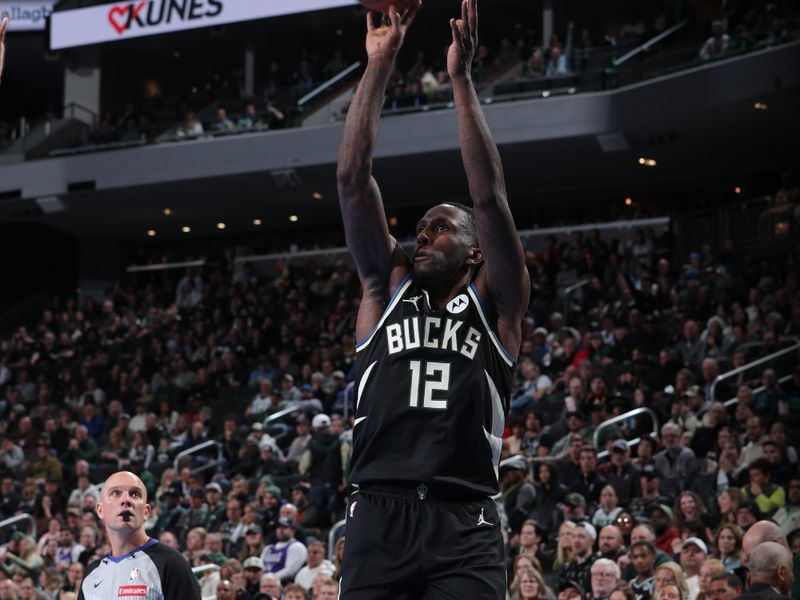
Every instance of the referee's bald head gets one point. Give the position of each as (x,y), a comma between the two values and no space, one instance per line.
(123,502)
(123,478)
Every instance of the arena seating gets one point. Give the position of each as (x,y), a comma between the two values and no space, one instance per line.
(223,375)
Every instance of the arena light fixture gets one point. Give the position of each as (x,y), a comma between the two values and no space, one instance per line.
(316,196)
(151,233)
(294,218)
(168,211)
(256,222)
(760,106)
(220,225)
(393,221)
(647,162)
(628,201)
(186,229)
(737,190)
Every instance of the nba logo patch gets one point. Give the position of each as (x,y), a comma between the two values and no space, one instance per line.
(134,575)
(458,304)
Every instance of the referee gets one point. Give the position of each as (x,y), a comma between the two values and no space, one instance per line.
(137,567)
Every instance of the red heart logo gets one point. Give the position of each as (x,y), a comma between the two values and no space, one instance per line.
(122,11)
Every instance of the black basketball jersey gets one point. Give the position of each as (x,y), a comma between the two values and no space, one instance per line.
(431,391)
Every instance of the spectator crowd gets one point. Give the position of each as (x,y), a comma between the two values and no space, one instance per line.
(259,369)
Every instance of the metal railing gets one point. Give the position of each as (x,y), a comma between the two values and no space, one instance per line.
(69,111)
(754,391)
(751,222)
(748,346)
(282,413)
(204,568)
(770,357)
(328,84)
(16,519)
(648,44)
(165,266)
(195,449)
(567,291)
(531,238)
(643,410)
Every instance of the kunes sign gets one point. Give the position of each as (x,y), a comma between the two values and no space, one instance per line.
(138,18)
(144,13)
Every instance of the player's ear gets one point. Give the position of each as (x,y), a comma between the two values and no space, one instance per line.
(147,510)
(475,257)
(99,510)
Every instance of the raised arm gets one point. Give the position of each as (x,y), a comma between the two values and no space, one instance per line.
(365,224)
(380,262)
(503,276)
(3,29)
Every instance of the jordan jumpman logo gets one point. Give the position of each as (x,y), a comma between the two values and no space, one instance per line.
(482,521)
(414,300)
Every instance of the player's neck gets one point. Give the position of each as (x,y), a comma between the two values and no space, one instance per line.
(440,296)
(122,544)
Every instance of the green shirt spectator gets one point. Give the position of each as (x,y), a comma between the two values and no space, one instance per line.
(81,447)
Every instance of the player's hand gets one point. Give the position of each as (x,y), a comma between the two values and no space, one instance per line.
(385,41)
(465,40)
(3,29)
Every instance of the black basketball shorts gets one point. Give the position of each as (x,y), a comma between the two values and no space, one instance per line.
(405,544)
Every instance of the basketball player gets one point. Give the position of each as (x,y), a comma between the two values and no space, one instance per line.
(3,29)
(438,334)
(138,566)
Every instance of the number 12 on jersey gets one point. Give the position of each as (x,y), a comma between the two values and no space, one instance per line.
(437,378)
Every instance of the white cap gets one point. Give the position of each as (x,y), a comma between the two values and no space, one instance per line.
(697,542)
(589,528)
(320,420)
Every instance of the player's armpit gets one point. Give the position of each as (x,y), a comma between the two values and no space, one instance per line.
(378,289)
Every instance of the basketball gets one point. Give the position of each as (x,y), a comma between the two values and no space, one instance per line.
(383,6)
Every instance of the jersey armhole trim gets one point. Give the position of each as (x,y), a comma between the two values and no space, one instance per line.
(504,354)
(398,293)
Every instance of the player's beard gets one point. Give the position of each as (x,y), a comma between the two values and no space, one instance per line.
(438,272)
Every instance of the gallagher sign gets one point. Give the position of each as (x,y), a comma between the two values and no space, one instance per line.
(26,15)
(139,18)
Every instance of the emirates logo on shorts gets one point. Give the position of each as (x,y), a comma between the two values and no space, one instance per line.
(458,304)
(132,591)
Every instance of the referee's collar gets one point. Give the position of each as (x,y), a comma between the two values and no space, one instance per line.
(117,559)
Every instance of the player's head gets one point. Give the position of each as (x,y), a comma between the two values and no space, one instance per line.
(447,245)
(123,502)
